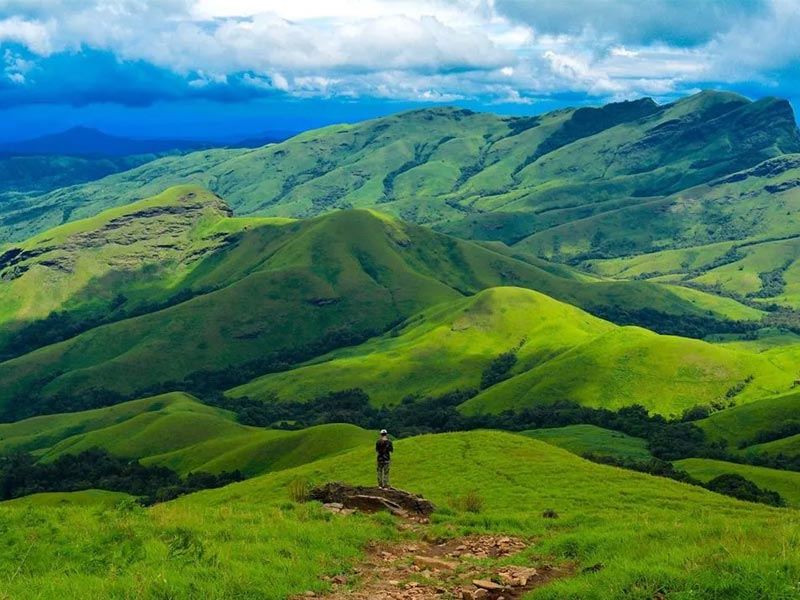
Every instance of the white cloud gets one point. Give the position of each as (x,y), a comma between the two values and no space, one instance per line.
(33,34)
(443,50)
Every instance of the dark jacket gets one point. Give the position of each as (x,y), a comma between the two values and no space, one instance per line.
(384,448)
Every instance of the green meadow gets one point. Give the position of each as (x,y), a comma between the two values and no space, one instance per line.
(786,483)
(590,439)
(248,540)
(179,432)
(562,353)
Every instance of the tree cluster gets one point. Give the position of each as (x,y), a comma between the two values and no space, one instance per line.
(22,475)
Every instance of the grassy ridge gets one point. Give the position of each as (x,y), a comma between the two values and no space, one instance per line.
(630,365)
(652,535)
(441,350)
(590,439)
(562,353)
(786,483)
(742,423)
(177,431)
(269,292)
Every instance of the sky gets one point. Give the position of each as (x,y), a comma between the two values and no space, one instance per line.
(231,69)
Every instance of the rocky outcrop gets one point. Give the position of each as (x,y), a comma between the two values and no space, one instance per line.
(372,499)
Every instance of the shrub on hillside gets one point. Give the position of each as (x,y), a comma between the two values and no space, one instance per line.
(739,487)
(299,490)
(472,502)
(498,369)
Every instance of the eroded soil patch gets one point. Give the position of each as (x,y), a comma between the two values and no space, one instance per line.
(460,568)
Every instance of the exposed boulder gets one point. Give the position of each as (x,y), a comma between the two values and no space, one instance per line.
(372,499)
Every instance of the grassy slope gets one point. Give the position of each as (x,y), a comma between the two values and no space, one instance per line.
(752,216)
(585,439)
(29,216)
(742,423)
(629,365)
(566,354)
(789,446)
(177,431)
(41,433)
(786,483)
(653,536)
(441,350)
(97,499)
(328,284)
(114,262)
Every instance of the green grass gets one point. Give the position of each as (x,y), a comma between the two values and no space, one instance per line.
(441,350)
(273,290)
(786,483)
(177,431)
(653,536)
(590,439)
(114,262)
(85,498)
(566,184)
(742,423)
(563,354)
(630,365)
(789,446)
(39,434)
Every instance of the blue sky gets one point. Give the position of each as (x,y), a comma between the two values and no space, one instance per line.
(228,69)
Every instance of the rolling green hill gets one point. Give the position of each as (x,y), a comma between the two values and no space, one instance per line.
(786,483)
(562,353)
(738,235)
(652,536)
(177,431)
(590,439)
(126,259)
(441,350)
(175,276)
(477,175)
(87,498)
(742,424)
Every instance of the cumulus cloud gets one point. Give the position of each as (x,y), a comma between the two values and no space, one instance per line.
(676,22)
(428,50)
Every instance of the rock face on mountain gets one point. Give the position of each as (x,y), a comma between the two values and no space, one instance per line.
(91,262)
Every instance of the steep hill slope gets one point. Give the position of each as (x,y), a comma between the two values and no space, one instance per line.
(226,299)
(441,350)
(738,235)
(562,353)
(652,536)
(590,439)
(477,175)
(123,260)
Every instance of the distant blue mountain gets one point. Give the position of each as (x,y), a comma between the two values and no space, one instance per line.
(86,141)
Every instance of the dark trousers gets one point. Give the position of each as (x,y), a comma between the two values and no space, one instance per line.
(383,474)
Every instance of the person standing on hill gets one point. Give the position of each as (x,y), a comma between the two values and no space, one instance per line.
(384,449)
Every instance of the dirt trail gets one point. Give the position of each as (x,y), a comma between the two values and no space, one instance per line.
(466,568)
(460,568)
